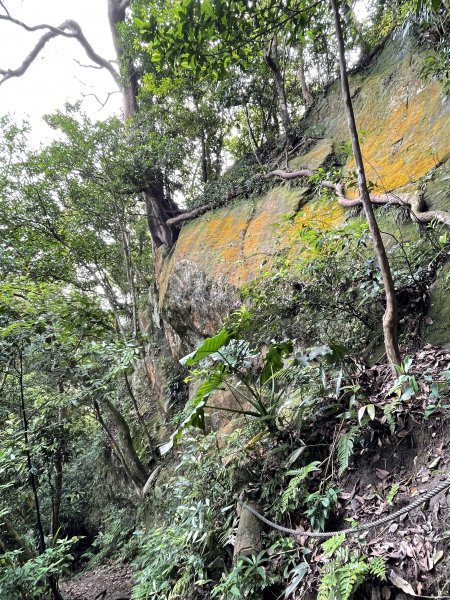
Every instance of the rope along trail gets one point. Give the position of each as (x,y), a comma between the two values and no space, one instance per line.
(313,534)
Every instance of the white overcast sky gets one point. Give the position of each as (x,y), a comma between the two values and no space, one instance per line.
(55,78)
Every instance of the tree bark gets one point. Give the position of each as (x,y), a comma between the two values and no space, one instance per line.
(307,96)
(160,210)
(248,535)
(271,57)
(115,448)
(58,464)
(390,318)
(204,159)
(134,464)
(128,76)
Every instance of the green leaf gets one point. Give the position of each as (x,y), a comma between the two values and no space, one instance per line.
(209,346)
(333,544)
(361,412)
(274,360)
(207,8)
(209,386)
(298,573)
(195,419)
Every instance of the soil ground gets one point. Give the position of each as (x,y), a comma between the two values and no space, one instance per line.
(108,582)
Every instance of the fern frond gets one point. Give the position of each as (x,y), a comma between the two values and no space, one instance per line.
(378,567)
(344,448)
(289,374)
(333,544)
(292,489)
(392,493)
(389,410)
(340,581)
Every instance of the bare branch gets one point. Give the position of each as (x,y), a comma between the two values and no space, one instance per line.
(196,212)
(70,29)
(80,64)
(4,8)
(188,216)
(102,104)
(55,30)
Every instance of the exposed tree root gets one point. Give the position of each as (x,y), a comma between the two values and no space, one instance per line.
(196,212)
(412,200)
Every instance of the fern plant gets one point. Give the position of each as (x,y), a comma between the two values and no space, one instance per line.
(343,575)
(344,447)
(291,497)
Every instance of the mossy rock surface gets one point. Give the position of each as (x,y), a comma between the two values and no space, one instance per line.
(437,329)
(404,128)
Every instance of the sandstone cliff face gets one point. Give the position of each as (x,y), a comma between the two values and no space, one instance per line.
(405,130)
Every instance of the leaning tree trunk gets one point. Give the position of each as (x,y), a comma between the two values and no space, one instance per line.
(390,318)
(136,468)
(159,206)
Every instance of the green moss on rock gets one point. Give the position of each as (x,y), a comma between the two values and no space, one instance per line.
(438,321)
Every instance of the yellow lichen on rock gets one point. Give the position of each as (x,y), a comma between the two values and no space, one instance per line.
(406,142)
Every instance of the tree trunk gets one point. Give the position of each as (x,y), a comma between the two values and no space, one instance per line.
(307,96)
(116,449)
(58,463)
(31,471)
(134,464)
(271,57)
(204,160)
(248,535)
(129,83)
(390,318)
(51,579)
(139,414)
(159,210)
(159,206)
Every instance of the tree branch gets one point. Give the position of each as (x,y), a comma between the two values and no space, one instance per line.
(4,8)
(69,29)
(102,104)
(80,64)
(188,216)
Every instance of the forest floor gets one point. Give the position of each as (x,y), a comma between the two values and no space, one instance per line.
(413,459)
(108,582)
(416,458)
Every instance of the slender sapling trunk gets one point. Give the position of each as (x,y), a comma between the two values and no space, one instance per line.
(390,318)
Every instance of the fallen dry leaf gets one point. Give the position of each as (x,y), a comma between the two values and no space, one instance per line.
(401,583)
(382,474)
